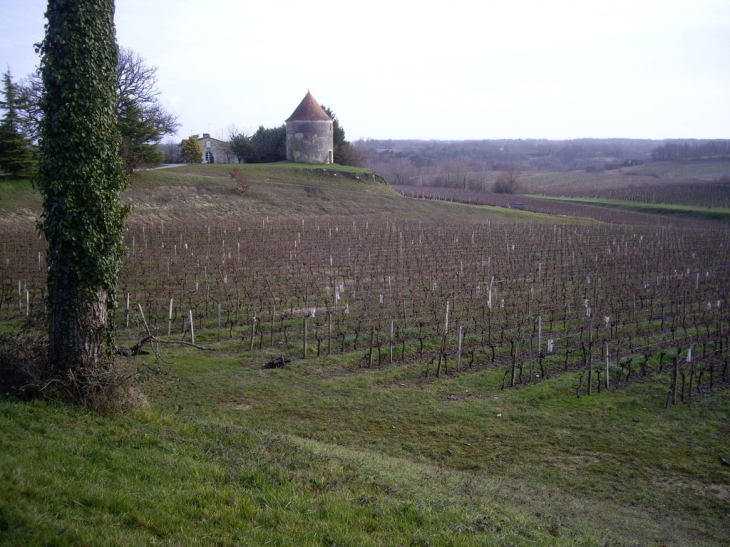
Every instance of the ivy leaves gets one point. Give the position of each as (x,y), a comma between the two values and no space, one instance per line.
(81,173)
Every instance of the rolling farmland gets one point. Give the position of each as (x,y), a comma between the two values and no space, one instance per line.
(437,374)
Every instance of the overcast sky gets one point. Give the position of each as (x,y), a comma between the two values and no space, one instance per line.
(463,69)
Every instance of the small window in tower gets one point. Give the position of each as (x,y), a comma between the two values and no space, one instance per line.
(207,144)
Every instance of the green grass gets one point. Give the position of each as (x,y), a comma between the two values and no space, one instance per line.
(18,198)
(684,211)
(325,453)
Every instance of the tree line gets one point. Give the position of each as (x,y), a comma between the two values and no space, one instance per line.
(541,154)
(267,145)
(691,150)
(141,119)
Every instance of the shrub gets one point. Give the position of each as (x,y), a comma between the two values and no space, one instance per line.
(23,360)
(509,181)
(26,374)
(241,180)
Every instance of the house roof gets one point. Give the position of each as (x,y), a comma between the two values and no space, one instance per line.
(209,138)
(309,110)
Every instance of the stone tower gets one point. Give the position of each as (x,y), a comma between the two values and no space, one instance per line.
(309,133)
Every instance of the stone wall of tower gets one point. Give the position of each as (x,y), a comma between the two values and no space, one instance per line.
(309,141)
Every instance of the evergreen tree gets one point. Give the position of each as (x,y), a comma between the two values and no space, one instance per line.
(16,152)
(338,137)
(344,152)
(243,148)
(80,177)
(142,119)
(270,144)
(140,136)
(190,150)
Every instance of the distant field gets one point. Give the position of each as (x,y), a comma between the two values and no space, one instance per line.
(650,175)
(572,181)
(602,209)
(710,195)
(670,210)
(704,169)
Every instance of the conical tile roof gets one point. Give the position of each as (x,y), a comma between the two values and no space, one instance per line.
(309,111)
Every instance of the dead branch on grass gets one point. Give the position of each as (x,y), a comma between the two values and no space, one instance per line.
(151,339)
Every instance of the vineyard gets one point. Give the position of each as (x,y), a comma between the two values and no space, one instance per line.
(614,303)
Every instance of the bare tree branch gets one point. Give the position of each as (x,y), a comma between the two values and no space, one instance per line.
(151,339)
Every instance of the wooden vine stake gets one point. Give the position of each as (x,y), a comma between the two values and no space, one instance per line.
(253,331)
(691,372)
(273,319)
(514,363)
(192,329)
(169,319)
(443,341)
(391,342)
(590,359)
(144,321)
(372,343)
(304,336)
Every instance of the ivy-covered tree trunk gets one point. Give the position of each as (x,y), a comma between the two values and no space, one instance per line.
(80,178)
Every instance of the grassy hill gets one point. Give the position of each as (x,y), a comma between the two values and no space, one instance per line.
(283,190)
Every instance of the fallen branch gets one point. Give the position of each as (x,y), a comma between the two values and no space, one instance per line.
(137,348)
